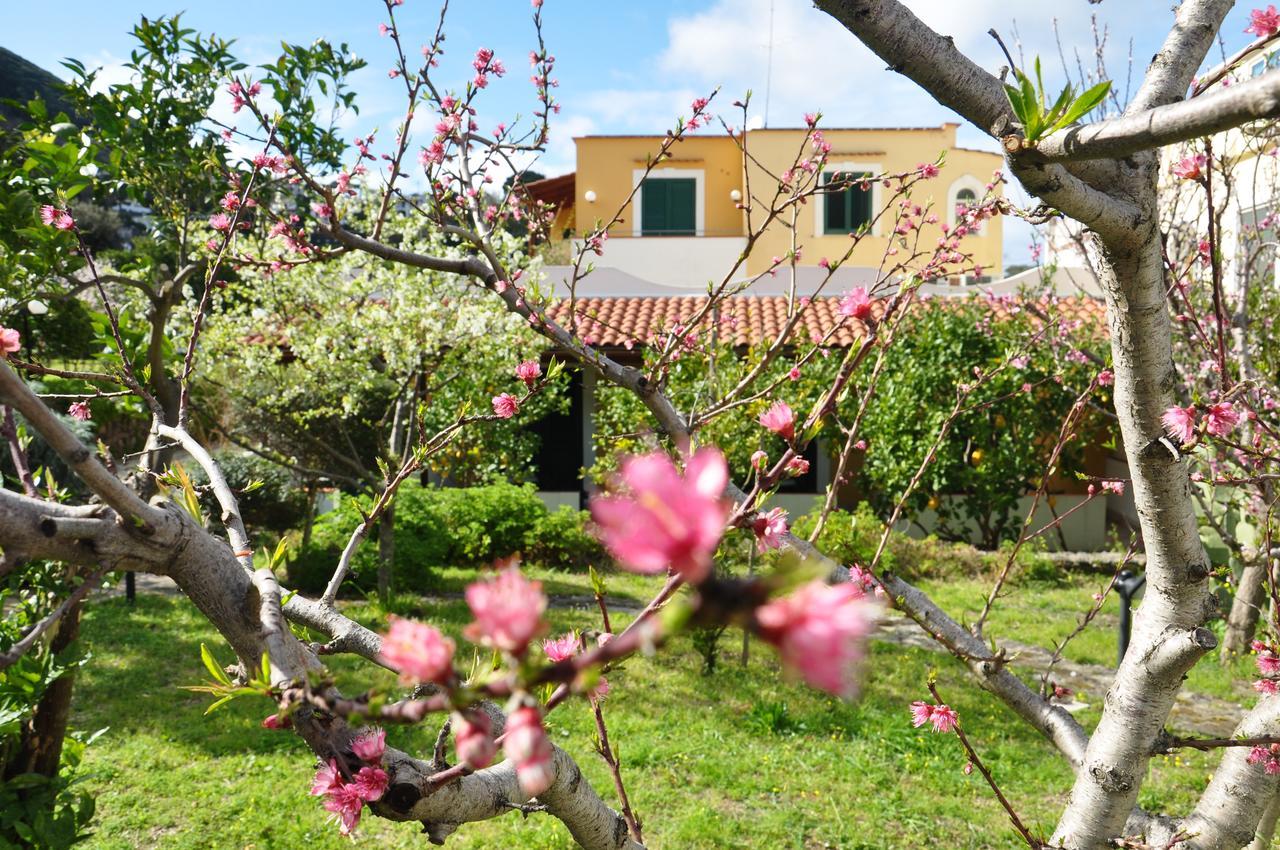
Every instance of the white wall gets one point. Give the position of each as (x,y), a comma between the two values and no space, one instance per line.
(1085,529)
(676,261)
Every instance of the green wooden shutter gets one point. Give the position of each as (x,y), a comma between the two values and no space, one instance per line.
(859,205)
(682,215)
(848,209)
(668,206)
(835,219)
(653,206)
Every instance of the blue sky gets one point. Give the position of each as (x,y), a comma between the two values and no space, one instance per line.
(631,66)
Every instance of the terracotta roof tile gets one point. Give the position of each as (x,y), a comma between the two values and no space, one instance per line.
(627,322)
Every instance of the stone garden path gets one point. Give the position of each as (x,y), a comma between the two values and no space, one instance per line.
(1193,713)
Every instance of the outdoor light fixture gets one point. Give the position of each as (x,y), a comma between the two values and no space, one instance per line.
(735,195)
(589,196)
(37,308)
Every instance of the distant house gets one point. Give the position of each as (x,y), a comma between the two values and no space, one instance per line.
(685,229)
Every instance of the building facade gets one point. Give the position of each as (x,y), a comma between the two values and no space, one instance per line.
(683,225)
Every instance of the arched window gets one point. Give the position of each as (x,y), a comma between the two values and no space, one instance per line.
(966,198)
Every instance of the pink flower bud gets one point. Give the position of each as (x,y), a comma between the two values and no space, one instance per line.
(526,745)
(370,746)
(473,739)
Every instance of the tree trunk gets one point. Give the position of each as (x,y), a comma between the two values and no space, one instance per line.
(1168,635)
(313,494)
(386,552)
(1267,826)
(41,748)
(1246,608)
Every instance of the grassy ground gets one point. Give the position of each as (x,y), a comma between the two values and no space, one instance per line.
(739,759)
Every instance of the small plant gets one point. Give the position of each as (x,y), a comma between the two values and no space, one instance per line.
(1036,117)
(707,642)
(773,717)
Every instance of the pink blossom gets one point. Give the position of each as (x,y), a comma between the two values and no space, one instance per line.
(1263,23)
(1189,167)
(794,374)
(220,222)
(508,610)
(473,739)
(666,520)
(797,467)
(928,170)
(780,420)
(1106,378)
(418,651)
(1258,754)
(323,210)
(505,405)
(1268,663)
(1266,686)
(565,646)
(370,746)
(529,371)
(944,718)
(857,304)
(369,783)
(326,779)
(1116,487)
(920,713)
(79,410)
(526,745)
(54,217)
(820,631)
(1221,418)
(759,460)
(275,721)
(433,153)
(1180,422)
(346,804)
(383,29)
(10,340)
(769,529)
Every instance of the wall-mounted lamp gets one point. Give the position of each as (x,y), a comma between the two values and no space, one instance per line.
(735,196)
(37,308)
(589,196)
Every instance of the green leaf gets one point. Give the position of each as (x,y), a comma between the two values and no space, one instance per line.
(218,704)
(1059,106)
(1084,104)
(211,664)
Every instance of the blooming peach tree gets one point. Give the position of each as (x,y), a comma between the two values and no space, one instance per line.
(297,196)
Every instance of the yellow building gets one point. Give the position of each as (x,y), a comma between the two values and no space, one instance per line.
(685,225)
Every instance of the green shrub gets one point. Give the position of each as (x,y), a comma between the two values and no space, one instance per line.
(998,447)
(433,527)
(561,539)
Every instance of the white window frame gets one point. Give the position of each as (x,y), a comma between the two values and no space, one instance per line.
(978,188)
(820,209)
(699,195)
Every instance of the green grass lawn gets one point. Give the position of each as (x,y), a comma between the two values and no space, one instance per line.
(739,759)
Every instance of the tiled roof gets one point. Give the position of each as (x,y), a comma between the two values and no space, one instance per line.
(747,320)
(555,191)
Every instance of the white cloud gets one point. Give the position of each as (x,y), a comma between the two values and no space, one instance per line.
(818,65)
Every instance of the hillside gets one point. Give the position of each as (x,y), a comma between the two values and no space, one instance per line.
(22,80)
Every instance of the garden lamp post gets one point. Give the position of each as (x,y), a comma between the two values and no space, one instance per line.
(1128,583)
